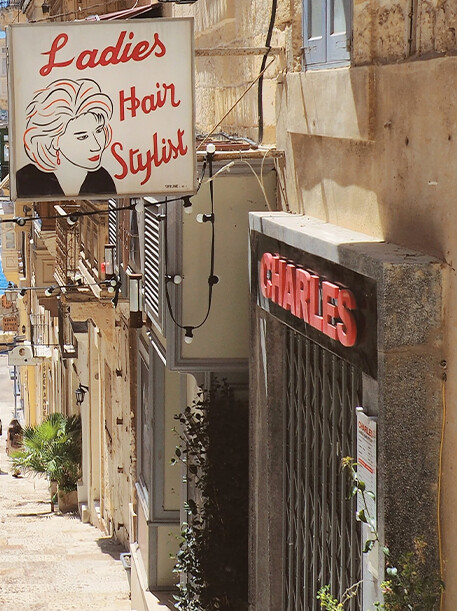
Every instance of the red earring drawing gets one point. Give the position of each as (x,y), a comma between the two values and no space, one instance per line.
(58,156)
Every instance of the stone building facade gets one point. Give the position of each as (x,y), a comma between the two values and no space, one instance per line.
(340,121)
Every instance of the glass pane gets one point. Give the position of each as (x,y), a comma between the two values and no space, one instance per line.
(338,21)
(315,18)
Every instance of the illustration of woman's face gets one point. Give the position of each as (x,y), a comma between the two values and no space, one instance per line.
(83,141)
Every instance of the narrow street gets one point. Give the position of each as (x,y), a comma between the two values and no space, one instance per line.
(49,560)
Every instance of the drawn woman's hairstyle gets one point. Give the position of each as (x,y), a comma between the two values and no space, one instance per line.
(50,111)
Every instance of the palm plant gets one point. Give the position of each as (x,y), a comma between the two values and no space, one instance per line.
(52,448)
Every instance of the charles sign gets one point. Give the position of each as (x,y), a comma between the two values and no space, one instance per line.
(327,302)
(101,109)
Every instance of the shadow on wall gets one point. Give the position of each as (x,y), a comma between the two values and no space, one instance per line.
(384,166)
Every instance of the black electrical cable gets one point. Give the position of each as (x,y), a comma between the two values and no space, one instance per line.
(262,68)
(78,214)
(212,279)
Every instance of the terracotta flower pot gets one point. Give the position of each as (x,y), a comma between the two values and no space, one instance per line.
(68,501)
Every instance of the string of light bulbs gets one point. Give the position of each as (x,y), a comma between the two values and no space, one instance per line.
(73,217)
(111,284)
(212,278)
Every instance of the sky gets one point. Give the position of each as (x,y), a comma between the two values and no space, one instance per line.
(3,280)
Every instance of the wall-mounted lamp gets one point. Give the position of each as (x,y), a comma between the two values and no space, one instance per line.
(80,393)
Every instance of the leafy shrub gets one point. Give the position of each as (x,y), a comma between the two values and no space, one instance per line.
(213,552)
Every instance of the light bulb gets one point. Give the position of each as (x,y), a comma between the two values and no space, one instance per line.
(210,148)
(204,218)
(111,289)
(177,279)
(139,206)
(187,205)
(22,293)
(71,220)
(49,291)
(20,221)
(189,336)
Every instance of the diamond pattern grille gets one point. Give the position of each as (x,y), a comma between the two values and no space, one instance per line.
(322,537)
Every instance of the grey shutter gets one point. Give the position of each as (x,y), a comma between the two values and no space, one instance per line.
(338,30)
(314,31)
(153,265)
(112,222)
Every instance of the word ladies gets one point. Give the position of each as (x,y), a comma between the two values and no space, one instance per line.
(122,52)
(136,161)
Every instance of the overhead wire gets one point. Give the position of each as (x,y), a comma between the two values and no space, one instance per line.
(263,69)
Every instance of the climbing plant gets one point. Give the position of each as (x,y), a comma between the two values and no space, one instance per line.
(410,586)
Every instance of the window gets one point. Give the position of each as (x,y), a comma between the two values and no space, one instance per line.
(326,32)
(145,431)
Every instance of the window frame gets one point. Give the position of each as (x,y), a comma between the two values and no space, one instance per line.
(328,50)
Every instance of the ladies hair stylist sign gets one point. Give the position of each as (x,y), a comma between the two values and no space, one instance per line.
(101,109)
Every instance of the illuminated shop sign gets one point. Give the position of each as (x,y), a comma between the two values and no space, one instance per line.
(324,305)
(101,109)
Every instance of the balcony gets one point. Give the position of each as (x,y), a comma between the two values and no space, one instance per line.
(67,246)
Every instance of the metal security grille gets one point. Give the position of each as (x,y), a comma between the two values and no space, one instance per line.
(321,535)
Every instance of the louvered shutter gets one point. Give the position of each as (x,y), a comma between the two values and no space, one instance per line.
(153,265)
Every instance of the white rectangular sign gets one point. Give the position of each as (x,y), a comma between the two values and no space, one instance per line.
(366,460)
(103,109)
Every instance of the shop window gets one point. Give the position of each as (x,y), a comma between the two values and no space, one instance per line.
(327,27)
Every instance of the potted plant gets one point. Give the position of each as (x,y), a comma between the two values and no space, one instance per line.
(53,448)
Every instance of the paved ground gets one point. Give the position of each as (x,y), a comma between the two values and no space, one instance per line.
(49,561)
